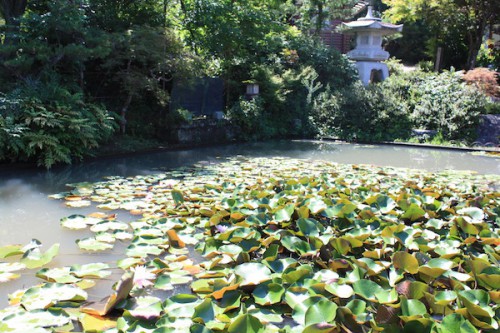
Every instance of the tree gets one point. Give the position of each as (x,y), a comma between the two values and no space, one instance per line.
(315,13)
(469,16)
(12,9)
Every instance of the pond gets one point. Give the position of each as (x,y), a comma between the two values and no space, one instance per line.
(27,213)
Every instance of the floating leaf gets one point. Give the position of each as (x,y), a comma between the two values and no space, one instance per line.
(246,323)
(252,273)
(145,307)
(323,311)
(268,293)
(412,309)
(32,321)
(92,244)
(35,258)
(50,294)
(340,290)
(476,214)
(456,323)
(102,307)
(413,213)
(406,262)
(284,214)
(59,275)
(367,289)
(78,222)
(108,225)
(10,250)
(181,305)
(178,197)
(94,270)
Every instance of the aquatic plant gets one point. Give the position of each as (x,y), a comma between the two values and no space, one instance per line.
(281,245)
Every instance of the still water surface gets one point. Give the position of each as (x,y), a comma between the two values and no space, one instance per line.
(27,213)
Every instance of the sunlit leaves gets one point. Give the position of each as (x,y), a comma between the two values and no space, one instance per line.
(50,294)
(253,273)
(246,324)
(268,293)
(333,246)
(34,257)
(406,262)
(33,321)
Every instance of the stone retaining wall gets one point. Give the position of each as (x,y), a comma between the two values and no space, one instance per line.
(202,131)
(489,130)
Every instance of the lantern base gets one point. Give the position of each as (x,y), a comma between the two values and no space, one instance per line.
(372,71)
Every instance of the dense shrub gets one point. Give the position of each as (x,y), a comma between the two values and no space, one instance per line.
(250,117)
(360,114)
(441,102)
(446,104)
(49,124)
(293,84)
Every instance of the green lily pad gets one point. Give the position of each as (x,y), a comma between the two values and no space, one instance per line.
(145,307)
(367,289)
(476,214)
(50,294)
(34,320)
(78,222)
(406,262)
(412,309)
(246,323)
(413,213)
(340,290)
(252,273)
(59,275)
(34,258)
(323,311)
(268,293)
(10,250)
(92,244)
(181,305)
(94,270)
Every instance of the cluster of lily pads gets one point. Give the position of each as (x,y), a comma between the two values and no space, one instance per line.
(276,245)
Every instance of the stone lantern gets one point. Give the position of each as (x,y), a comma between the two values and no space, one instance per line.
(368,52)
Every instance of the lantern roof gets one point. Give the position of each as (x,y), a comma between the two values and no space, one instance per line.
(370,22)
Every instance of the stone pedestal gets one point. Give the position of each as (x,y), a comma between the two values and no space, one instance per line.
(372,71)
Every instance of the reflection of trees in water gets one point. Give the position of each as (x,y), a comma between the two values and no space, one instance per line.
(54,180)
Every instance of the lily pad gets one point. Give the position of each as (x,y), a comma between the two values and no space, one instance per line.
(50,294)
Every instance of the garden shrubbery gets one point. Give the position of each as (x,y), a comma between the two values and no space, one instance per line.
(416,99)
(49,124)
(438,101)
(297,87)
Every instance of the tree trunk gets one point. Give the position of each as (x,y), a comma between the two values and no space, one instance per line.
(123,114)
(475,41)
(320,18)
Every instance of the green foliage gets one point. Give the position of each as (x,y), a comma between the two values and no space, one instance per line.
(250,117)
(49,124)
(441,102)
(489,56)
(291,82)
(361,114)
(180,116)
(288,246)
(458,25)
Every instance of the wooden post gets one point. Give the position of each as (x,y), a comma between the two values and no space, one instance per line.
(439,59)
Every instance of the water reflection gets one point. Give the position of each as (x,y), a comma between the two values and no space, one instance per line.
(26,212)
